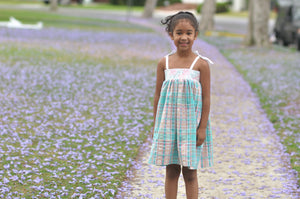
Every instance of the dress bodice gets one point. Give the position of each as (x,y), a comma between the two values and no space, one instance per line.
(184,73)
(181,74)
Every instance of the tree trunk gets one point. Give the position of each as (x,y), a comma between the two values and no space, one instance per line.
(249,40)
(207,15)
(149,8)
(258,25)
(53,5)
(261,22)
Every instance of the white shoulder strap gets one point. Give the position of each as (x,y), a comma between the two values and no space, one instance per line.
(167,58)
(205,58)
(194,62)
(167,61)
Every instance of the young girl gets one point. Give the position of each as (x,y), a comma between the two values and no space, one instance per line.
(181,136)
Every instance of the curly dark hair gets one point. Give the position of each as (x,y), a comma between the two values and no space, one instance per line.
(172,20)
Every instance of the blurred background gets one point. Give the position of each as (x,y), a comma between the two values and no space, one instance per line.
(231,16)
(77,80)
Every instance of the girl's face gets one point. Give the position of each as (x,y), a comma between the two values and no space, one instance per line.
(183,35)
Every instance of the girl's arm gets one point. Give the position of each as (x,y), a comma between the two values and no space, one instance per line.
(160,77)
(205,83)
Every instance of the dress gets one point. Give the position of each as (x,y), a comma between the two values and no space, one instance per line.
(178,116)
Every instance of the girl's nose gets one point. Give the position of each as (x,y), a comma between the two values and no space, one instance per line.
(183,36)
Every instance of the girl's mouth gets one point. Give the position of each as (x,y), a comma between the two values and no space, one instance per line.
(183,43)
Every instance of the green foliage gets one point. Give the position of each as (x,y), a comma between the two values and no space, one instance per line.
(199,8)
(125,2)
(220,7)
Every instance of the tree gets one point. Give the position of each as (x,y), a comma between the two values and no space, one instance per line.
(258,23)
(207,15)
(149,8)
(53,5)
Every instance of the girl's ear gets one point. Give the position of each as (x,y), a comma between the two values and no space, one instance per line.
(171,35)
(196,34)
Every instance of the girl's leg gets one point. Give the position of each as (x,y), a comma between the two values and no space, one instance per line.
(191,182)
(171,184)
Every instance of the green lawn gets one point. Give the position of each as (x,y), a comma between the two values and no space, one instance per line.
(101,6)
(51,19)
(19,1)
(105,6)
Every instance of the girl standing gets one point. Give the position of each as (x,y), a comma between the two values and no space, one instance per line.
(182,136)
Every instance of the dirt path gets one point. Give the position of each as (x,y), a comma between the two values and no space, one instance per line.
(249,160)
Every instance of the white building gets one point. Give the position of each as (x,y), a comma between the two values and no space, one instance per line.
(237,5)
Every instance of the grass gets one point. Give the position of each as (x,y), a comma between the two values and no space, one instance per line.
(51,19)
(66,124)
(20,1)
(73,108)
(100,6)
(109,7)
(273,75)
(63,168)
(105,6)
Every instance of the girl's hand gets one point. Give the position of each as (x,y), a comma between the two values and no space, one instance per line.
(201,135)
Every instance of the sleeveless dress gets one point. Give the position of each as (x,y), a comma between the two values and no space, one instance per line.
(177,119)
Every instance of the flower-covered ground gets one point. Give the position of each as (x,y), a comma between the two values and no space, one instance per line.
(75,108)
(274,75)
(76,103)
(249,159)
